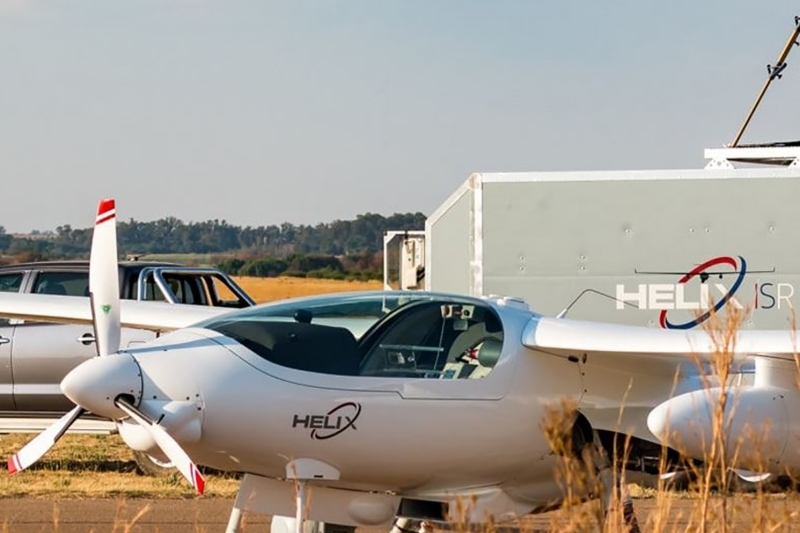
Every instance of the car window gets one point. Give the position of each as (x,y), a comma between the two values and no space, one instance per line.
(62,283)
(11,282)
(187,289)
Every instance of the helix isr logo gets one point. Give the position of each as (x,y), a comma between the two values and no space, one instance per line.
(708,295)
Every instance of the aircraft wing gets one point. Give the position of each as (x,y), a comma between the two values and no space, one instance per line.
(154,316)
(626,371)
(577,337)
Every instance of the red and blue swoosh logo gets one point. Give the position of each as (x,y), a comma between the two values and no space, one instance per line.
(739,266)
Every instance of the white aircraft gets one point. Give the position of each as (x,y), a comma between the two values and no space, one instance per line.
(359,408)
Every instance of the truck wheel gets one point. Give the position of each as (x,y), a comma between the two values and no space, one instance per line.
(149,466)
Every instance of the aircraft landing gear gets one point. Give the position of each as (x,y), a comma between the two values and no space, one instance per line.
(285,524)
(407,525)
(614,491)
(235,521)
(402,525)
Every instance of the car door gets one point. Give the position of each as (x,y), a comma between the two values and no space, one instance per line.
(44,353)
(9,282)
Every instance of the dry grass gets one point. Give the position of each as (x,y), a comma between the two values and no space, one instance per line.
(269,289)
(96,466)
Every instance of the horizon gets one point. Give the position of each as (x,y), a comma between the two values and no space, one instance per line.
(48,232)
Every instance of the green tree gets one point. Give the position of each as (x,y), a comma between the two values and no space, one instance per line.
(5,239)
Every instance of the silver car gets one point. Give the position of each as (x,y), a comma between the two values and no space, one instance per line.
(35,356)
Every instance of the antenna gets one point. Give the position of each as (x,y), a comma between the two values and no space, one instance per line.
(566,310)
(773,71)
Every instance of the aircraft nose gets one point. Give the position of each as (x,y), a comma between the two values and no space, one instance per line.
(95,384)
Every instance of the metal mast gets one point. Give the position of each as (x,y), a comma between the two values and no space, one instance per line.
(773,71)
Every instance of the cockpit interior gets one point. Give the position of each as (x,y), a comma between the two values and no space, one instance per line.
(382,334)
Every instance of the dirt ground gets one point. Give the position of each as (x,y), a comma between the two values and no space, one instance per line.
(28,515)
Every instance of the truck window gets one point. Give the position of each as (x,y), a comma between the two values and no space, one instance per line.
(188,286)
(11,282)
(62,283)
(187,289)
(221,294)
(151,290)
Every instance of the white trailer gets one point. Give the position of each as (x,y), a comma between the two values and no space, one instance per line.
(657,247)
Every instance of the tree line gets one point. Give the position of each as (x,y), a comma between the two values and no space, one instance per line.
(331,249)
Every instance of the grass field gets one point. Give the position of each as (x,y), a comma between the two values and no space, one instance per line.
(81,466)
(184,259)
(96,466)
(269,289)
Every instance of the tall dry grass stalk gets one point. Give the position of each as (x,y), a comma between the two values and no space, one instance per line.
(126,526)
(557,429)
(722,330)
(586,471)
(576,472)
(458,519)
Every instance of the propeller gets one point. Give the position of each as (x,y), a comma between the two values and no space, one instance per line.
(39,446)
(167,444)
(93,382)
(104,296)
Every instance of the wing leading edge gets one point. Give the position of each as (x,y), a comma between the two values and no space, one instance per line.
(576,337)
(154,316)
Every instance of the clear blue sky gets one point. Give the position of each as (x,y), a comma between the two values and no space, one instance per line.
(261,112)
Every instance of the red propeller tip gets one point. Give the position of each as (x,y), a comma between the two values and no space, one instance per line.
(106,210)
(199,482)
(13,465)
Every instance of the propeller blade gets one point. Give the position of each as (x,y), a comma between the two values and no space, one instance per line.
(43,442)
(104,295)
(168,445)
(104,279)
(750,476)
